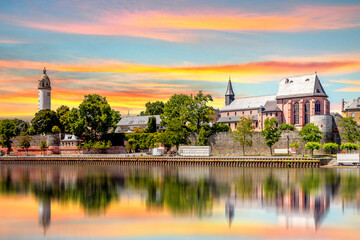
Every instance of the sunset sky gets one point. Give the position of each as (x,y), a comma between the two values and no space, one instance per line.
(133,52)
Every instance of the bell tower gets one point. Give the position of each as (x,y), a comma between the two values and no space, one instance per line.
(44,88)
(229,95)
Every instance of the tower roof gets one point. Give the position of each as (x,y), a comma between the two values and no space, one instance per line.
(44,82)
(229,90)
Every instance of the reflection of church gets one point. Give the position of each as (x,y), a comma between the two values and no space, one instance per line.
(45,213)
(295,209)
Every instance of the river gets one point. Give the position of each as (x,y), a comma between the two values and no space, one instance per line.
(134,202)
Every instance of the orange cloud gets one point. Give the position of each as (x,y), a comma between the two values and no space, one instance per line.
(179,26)
(266,69)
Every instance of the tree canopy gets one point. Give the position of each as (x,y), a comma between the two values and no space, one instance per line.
(244,132)
(271,132)
(177,109)
(96,117)
(7,131)
(153,108)
(199,112)
(352,133)
(310,133)
(44,121)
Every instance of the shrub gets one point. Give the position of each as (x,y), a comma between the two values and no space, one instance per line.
(286,126)
(349,146)
(330,147)
(312,146)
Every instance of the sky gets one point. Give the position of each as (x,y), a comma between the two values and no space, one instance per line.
(132,52)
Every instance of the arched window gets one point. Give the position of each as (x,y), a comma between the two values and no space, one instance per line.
(296,113)
(317,108)
(307,113)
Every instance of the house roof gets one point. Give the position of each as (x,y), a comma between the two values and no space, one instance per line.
(300,86)
(353,104)
(230,119)
(138,120)
(271,106)
(248,103)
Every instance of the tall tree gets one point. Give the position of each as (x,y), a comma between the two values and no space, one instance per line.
(244,132)
(271,132)
(20,126)
(7,131)
(44,121)
(352,133)
(153,108)
(63,115)
(200,113)
(98,116)
(310,133)
(177,108)
(175,134)
(151,125)
(76,123)
(25,142)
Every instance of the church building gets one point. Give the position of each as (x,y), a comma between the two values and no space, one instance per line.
(297,98)
(44,88)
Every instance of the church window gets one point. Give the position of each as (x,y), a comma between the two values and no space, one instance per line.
(243,112)
(235,113)
(296,113)
(270,114)
(250,112)
(317,108)
(228,114)
(307,112)
(266,114)
(276,114)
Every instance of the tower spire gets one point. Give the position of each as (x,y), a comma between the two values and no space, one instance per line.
(229,95)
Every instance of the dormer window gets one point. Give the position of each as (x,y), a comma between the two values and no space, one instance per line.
(306,80)
(286,81)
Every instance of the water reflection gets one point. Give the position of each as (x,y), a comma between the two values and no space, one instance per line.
(301,198)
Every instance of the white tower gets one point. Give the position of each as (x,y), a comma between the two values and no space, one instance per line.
(44,92)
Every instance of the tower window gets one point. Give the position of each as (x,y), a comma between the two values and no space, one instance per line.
(317,108)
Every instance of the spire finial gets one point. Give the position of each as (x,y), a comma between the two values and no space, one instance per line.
(44,71)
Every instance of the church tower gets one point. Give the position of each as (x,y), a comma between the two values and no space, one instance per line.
(229,95)
(44,92)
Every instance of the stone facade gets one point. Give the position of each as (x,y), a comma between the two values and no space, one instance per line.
(351,109)
(298,98)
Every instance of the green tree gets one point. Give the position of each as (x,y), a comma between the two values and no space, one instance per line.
(220,127)
(55,129)
(349,146)
(20,126)
(153,108)
(76,123)
(204,134)
(151,125)
(312,146)
(352,133)
(310,133)
(330,147)
(97,117)
(7,131)
(200,113)
(271,132)
(287,127)
(43,146)
(44,121)
(178,109)
(31,130)
(175,134)
(25,142)
(244,132)
(63,115)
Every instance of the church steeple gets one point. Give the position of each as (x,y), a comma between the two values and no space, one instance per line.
(229,95)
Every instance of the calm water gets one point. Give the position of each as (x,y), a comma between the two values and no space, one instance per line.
(72,202)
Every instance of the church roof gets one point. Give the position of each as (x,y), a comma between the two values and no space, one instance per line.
(249,103)
(300,86)
(229,119)
(229,90)
(271,106)
(353,104)
(44,82)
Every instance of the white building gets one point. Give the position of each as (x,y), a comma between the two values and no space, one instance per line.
(128,124)
(44,92)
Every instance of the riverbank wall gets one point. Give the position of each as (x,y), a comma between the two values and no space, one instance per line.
(280,162)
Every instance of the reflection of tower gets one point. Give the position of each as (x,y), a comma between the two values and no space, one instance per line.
(230,205)
(45,213)
(44,92)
